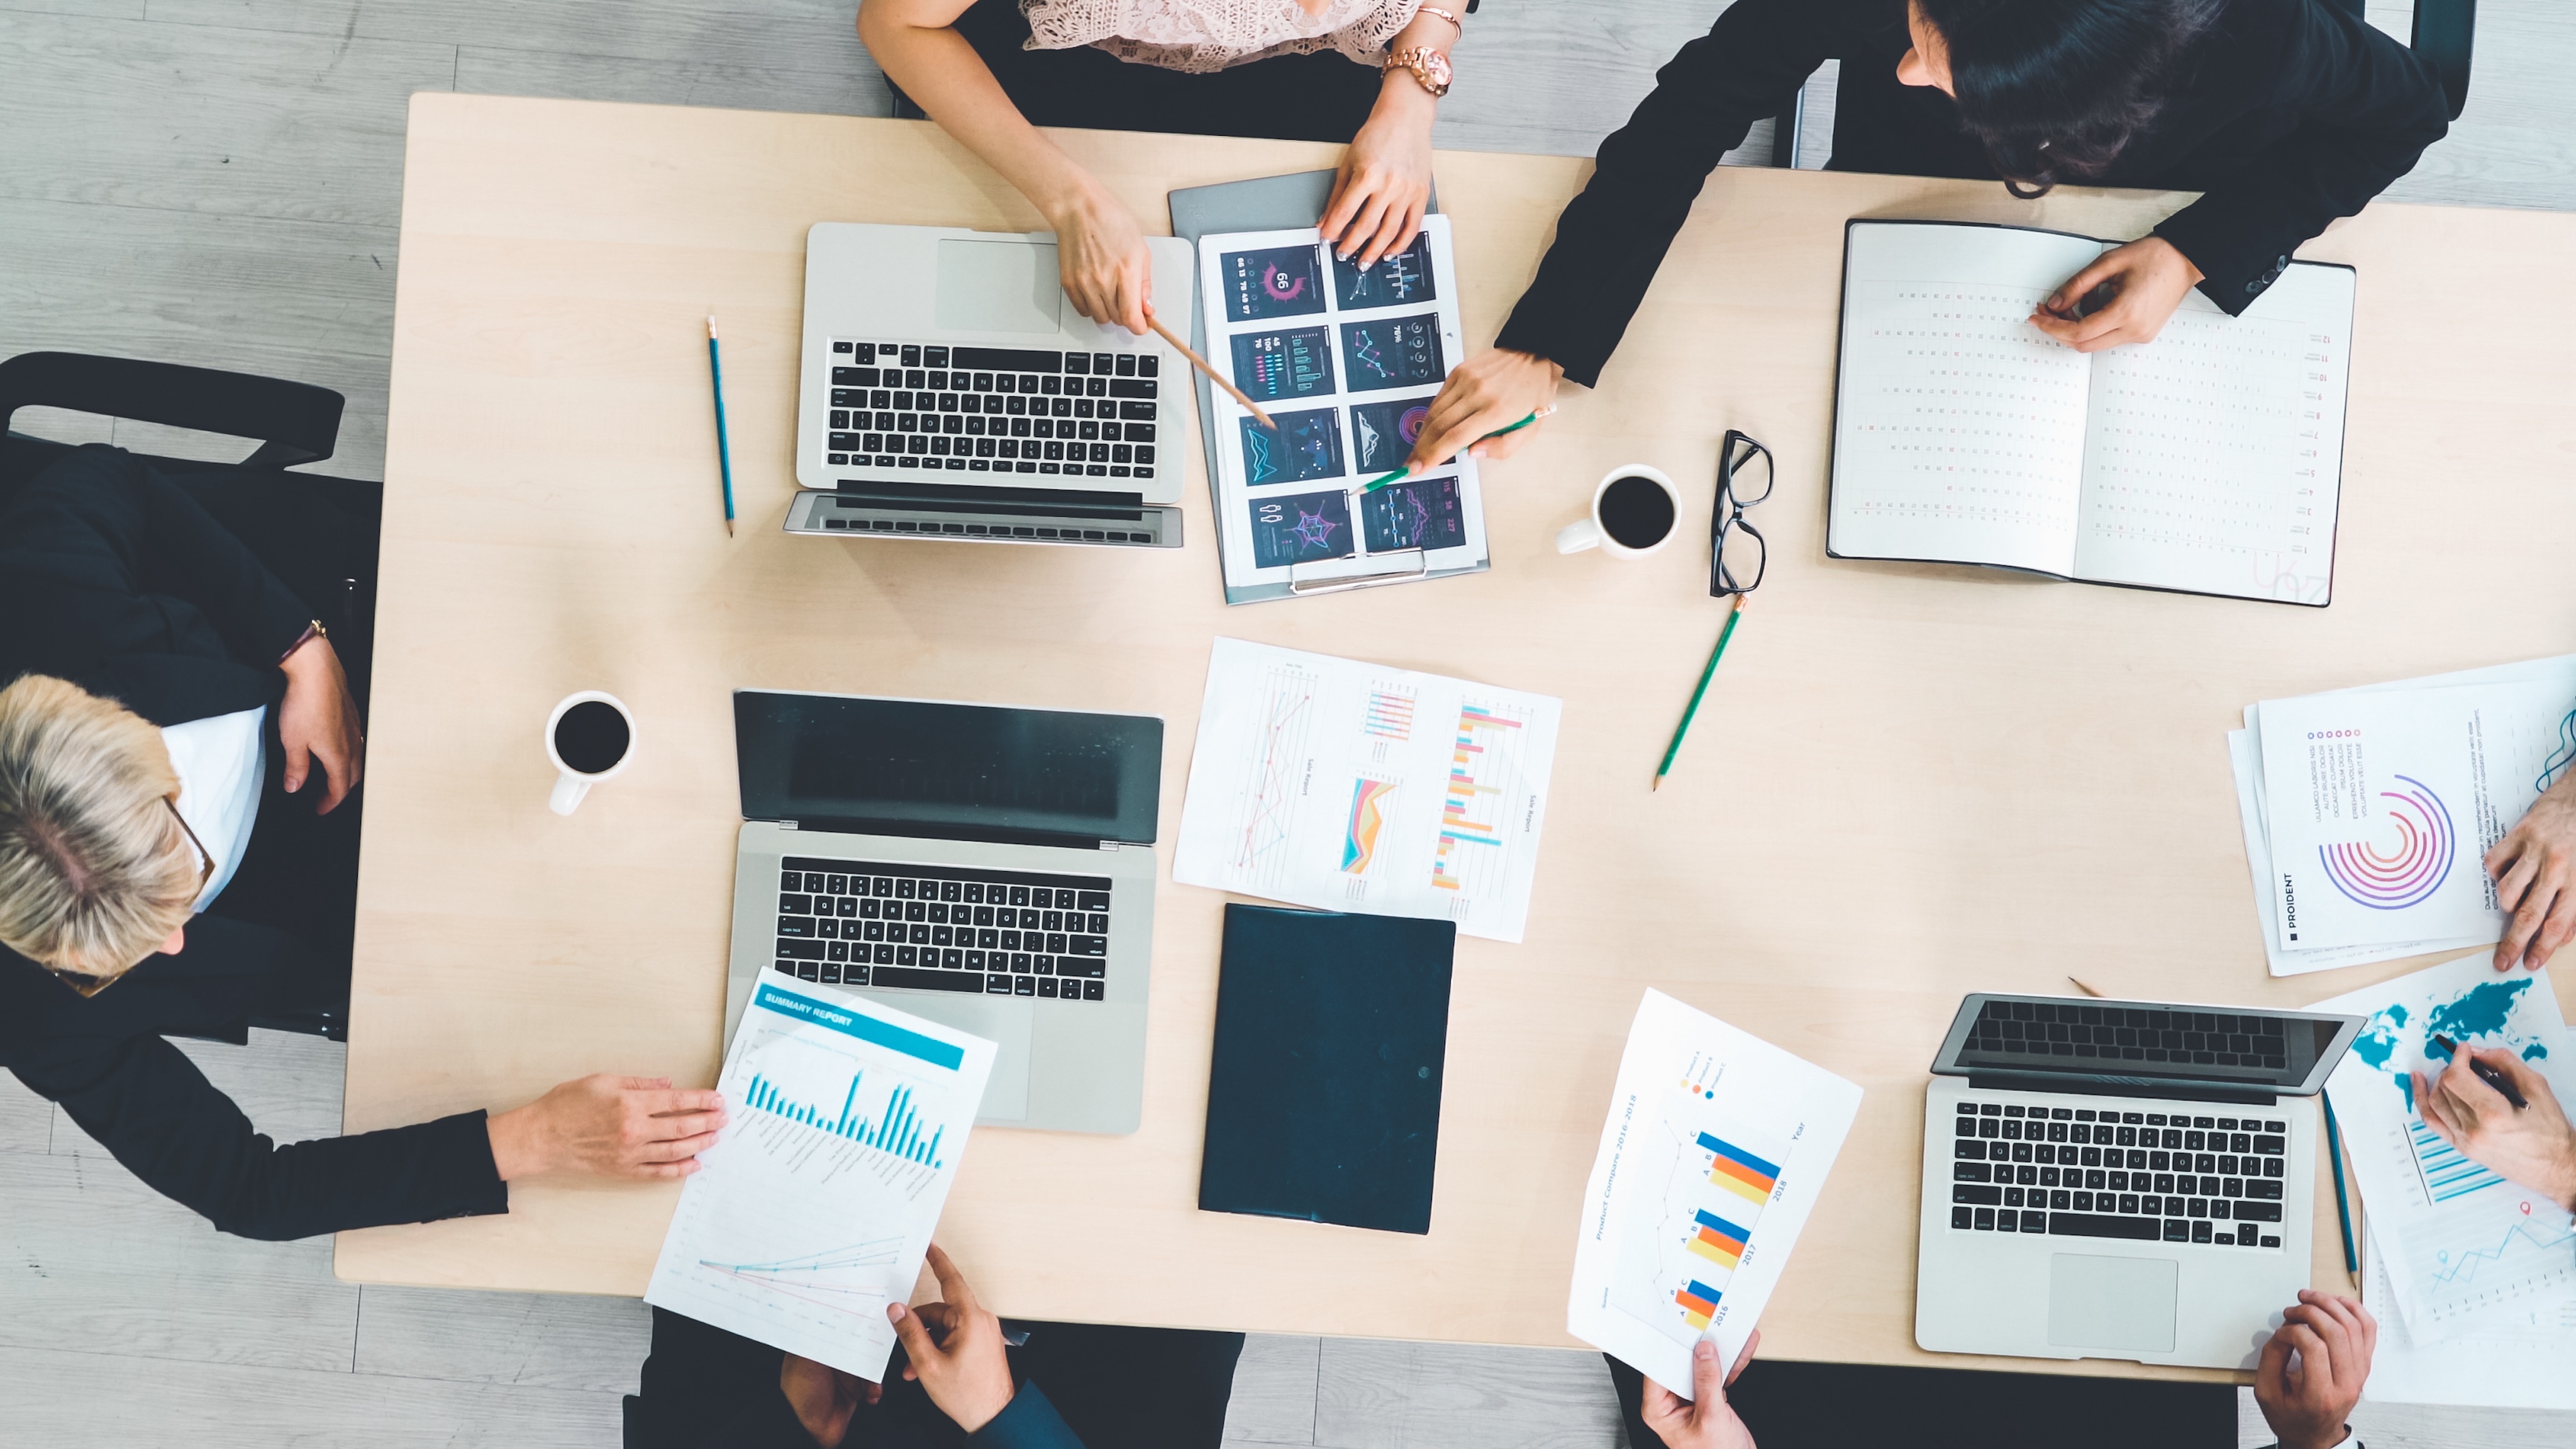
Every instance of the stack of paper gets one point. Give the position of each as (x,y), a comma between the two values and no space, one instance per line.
(2368,812)
(1715,1149)
(2472,1277)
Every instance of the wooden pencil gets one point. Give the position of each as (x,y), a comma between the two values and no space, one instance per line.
(1213,375)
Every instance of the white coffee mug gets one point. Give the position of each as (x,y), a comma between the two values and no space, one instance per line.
(1590,532)
(572,784)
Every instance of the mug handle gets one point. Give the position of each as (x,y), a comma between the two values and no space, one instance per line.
(1577,536)
(568,793)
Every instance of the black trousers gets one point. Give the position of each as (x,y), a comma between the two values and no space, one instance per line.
(1117,1388)
(299,874)
(1320,97)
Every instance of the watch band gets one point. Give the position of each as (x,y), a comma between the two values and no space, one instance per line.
(1428,67)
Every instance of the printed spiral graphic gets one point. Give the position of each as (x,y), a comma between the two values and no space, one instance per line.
(2426,842)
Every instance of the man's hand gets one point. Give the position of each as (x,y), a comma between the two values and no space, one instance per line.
(2533,1146)
(607,1126)
(1704,1421)
(1384,181)
(954,1348)
(1485,394)
(824,1397)
(1102,260)
(2535,873)
(2147,280)
(2308,1405)
(318,719)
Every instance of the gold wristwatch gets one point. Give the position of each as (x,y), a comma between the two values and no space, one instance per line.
(1428,66)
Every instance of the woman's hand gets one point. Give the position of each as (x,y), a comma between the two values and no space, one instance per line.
(607,1126)
(824,1398)
(2147,280)
(2535,873)
(319,719)
(2532,1144)
(1705,1420)
(1101,257)
(954,1347)
(1384,182)
(1485,394)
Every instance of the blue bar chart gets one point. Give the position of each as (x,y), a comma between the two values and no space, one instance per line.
(898,1130)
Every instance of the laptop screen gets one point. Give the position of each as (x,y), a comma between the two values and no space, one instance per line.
(956,771)
(2145,1042)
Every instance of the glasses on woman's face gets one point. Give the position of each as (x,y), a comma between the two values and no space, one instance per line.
(1736,552)
(86,985)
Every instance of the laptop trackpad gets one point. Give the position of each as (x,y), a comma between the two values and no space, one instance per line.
(997,286)
(1004,1023)
(2124,1304)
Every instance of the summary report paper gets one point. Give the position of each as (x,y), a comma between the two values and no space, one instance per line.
(814,1209)
(1348,786)
(1715,1149)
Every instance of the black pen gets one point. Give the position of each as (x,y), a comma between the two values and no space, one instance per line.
(2486,1074)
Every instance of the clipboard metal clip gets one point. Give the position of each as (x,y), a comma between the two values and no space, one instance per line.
(1340,574)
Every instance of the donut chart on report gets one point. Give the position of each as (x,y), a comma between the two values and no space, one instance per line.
(2426,843)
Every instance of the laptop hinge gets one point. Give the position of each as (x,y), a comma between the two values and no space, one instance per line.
(2183,1091)
(1109,845)
(786,824)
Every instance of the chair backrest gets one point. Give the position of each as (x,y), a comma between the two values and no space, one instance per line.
(295,422)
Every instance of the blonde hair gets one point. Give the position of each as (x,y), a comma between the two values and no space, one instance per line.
(95,872)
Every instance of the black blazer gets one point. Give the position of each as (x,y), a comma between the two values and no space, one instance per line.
(2288,114)
(113,577)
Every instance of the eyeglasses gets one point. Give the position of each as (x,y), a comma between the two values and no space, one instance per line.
(85,985)
(1736,552)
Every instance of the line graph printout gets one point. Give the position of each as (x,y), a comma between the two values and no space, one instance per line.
(815,1206)
(1715,1149)
(1341,785)
(2460,1244)
(2381,803)
(1360,356)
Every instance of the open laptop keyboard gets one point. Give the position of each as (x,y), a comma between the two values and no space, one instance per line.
(932,407)
(2103,1171)
(943,928)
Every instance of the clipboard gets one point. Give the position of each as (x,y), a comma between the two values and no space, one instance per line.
(1279,203)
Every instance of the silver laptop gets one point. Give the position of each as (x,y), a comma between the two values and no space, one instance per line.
(949,390)
(2119,1179)
(985,867)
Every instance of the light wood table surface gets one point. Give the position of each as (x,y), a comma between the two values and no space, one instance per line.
(1908,782)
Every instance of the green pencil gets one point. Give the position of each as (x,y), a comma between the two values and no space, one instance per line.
(1378,483)
(1692,711)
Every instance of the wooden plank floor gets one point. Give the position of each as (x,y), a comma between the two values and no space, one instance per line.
(219,182)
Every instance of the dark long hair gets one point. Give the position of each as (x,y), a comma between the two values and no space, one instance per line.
(2056,88)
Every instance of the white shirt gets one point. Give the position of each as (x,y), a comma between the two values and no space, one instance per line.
(221,763)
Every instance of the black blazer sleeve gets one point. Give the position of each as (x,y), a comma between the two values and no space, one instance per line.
(1614,235)
(149,1106)
(2367,106)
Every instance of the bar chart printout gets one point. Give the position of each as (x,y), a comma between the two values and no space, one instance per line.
(1715,1148)
(816,1204)
(1346,786)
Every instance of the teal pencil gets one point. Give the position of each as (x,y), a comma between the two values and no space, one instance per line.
(724,451)
(1691,712)
(2343,1209)
(1375,484)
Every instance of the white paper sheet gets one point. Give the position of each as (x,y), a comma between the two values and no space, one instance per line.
(1714,1151)
(2381,805)
(2519,1355)
(1344,786)
(814,1209)
(2459,1240)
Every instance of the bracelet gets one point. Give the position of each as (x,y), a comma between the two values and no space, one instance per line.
(312,630)
(1445,15)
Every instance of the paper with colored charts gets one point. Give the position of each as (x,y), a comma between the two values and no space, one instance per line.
(2382,803)
(814,1208)
(1348,786)
(2465,1248)
(1346,362)
(1715,1149)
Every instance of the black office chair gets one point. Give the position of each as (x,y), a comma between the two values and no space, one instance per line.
(292,422)
(2445,32)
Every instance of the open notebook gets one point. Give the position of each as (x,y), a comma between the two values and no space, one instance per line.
(2207,461)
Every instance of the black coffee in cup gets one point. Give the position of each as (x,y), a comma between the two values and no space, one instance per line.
(591,737)
(1636,512)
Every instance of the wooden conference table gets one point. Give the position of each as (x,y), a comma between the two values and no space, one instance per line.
(1908,783)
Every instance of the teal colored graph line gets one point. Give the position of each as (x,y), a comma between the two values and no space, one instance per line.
(2465,1268)
(877,1253)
